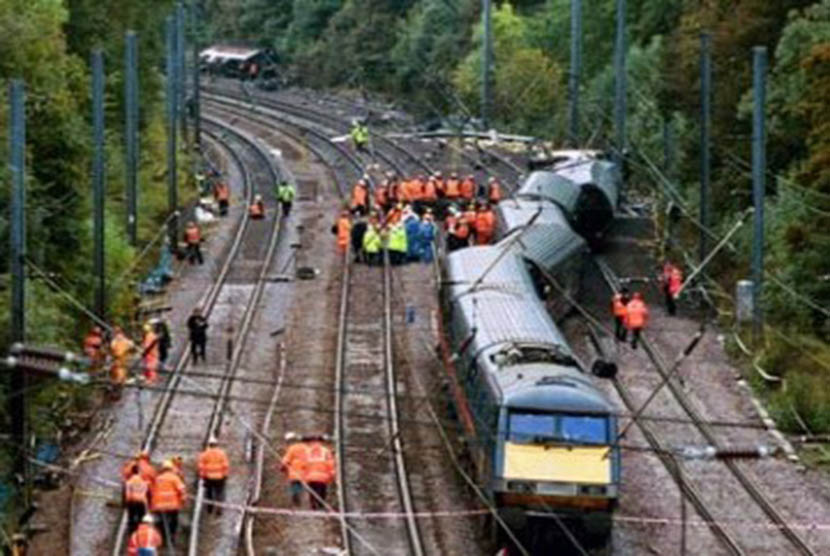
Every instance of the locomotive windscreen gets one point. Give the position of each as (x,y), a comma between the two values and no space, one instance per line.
(552,428)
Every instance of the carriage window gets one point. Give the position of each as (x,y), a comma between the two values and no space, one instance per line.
(548,428)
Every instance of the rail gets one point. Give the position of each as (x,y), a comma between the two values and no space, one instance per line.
(207,303)
(236,358)
(746,482)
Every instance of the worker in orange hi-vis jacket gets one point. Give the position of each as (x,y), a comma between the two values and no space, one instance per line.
(293,464)
(167,498)
(146,539)
(214,468)
(636,317)
(320,470)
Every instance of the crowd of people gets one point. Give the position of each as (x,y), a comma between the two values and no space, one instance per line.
(153,498)
(401,216)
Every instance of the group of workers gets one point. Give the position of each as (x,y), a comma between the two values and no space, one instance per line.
(153,499)
(308,464)
(631,312)
(285,193)
(154,349)
(114,350)
(399,217)
(422,192)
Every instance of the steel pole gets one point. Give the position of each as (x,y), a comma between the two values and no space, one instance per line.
(131,132)
(98,182)
(486,64)
(576,70)
(620,86)
(759,163)
(181,75)
(705,131)
(170,90)
(197,110)
(17,235)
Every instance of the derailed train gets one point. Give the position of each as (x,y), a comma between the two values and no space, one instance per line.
(540,433)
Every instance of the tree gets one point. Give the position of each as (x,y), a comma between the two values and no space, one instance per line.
(526,83)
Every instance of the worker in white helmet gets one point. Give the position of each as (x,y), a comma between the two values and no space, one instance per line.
(214,468)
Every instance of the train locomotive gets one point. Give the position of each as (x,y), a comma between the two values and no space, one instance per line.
(540,433)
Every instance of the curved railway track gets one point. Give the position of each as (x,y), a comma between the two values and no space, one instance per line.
(208,303)
(747,483)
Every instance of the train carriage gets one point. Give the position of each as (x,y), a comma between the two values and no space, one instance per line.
(540,433)
(547,243)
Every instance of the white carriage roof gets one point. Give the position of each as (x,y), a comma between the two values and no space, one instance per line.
(225,52)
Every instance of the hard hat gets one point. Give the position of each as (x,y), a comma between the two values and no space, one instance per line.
(291,436)
(492,179)
(96,330)
(191,223)
(148,327)
(148,518)
(168,464)
(213,440)
(143,454)
(257,197)
(638,295)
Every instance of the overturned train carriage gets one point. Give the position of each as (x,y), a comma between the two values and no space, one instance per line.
(541,431)
(585,187)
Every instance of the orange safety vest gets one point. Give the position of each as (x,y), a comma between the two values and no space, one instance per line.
(221,191)
(618,305)
(344,230)
(145,470)
(320,464)
(359,196)
(92,345)
(294,461)
(485,224)
(192,235)
(257,210)
(462,229)
(146,536)
(636,314)
(168,493)
(120,346)
(468,188)
(494,193)
(430,191)
(213,464)
(381,195)
(136,489)
(453,188)
(675,281)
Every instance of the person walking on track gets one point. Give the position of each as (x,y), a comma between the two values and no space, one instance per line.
(619,302)
(671,280)
(293,464)
(167,498)
(197,325)
(146,540)
(285,195)
(214,468)
(193,240)
(320,471)
(136,497)
(343,230)
(636,317)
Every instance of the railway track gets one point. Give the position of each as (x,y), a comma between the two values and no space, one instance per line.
(372,475)
(360,481)
(243,244)
(747,483)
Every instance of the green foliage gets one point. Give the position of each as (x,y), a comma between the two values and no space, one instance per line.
(527,85)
